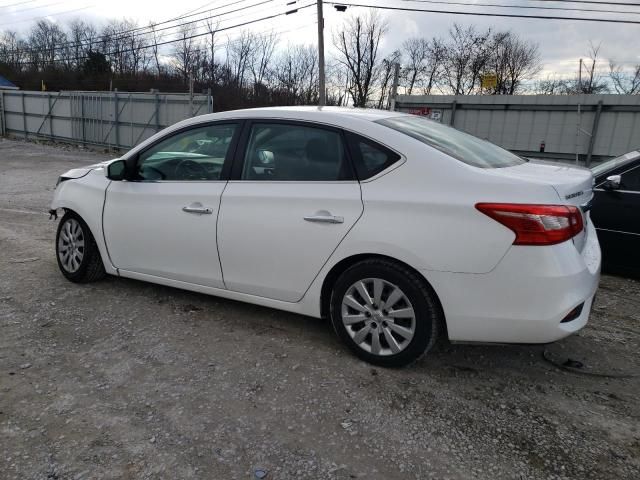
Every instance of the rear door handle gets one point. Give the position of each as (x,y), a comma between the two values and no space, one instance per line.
(198,208)
(324,218)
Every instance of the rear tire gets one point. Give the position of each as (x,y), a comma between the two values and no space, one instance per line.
(76,250)
(385,312)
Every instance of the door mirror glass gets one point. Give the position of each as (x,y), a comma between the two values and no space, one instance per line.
(117,170)
(612,182)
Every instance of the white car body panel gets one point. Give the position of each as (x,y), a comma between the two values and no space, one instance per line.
(256,246)
(266,246)
(136,216)
(86,198)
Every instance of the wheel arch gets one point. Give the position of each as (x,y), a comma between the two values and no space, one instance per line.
(341,266)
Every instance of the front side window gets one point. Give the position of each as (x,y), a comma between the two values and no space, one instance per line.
(294,152)
(459,145)
(195,154)
(614,163)
(630,180)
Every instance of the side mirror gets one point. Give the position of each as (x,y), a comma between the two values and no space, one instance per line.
(612,183)
(117,170)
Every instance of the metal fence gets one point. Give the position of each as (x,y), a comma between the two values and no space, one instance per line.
(576,127)
(117,120)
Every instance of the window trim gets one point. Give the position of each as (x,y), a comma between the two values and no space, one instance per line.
(243,144)
(132,162)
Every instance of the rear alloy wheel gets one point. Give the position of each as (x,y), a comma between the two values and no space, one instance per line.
(76,250)
(385,313)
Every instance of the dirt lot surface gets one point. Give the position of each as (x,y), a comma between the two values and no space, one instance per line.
(121,379)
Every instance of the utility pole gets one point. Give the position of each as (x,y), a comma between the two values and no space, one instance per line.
(322,100)
(580,77)
(394,88)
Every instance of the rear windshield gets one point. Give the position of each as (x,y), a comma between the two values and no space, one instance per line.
(461,146)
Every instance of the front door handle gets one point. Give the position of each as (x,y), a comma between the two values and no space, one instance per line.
(324,217)
(197,207)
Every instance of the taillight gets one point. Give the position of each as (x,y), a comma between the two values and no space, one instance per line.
(536,224)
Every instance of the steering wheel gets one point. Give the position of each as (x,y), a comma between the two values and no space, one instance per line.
(190,170)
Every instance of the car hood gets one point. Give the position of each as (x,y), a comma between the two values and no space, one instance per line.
(82,171)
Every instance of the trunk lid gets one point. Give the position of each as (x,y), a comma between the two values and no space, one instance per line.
(574,185)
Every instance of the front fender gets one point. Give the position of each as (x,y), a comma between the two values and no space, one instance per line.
(86,196)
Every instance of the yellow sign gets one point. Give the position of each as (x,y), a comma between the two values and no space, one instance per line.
(489,80)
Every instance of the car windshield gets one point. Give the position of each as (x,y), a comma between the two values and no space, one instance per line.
(459,145)
(614,163)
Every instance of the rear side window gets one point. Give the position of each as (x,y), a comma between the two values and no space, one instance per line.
(294,152)
(459,145)
(369,158)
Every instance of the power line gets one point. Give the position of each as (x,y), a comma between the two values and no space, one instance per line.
(34,8)
(610,4)
(181,39)
(532,7)
(151,29)
(16,4)
(49,15)
(484,14)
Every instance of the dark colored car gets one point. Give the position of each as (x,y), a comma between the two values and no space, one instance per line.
(616,213)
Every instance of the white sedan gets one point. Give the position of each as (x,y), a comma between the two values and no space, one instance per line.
(401,230)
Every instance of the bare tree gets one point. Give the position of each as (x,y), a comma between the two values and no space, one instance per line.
(416,51)
(466,56)
(624,82)
(296,74)
(212,29)
(185,52)
(12,50)
(155,38)
(358,44)
(386,78)
(592,82)
(45,40)
(261,54)
(83,39)
(512,61)
(239,56)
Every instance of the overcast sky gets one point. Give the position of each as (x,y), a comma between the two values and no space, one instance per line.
(561,43)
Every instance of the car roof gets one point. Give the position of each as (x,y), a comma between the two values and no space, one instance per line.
(328,114)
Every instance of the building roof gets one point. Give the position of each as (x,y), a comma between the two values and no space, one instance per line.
(4,83)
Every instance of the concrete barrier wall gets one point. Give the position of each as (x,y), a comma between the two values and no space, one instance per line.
(111,119)
(593,127)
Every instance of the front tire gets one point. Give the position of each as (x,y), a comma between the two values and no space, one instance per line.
(76,250)
(386,313)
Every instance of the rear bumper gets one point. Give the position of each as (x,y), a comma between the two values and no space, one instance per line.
(525,298)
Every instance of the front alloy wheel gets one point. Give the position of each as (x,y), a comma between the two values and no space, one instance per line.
(71,245)
(76,250)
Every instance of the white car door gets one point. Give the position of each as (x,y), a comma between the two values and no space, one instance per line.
(292,199)
(162,221)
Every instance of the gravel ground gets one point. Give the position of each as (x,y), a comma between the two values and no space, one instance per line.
(122,379)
